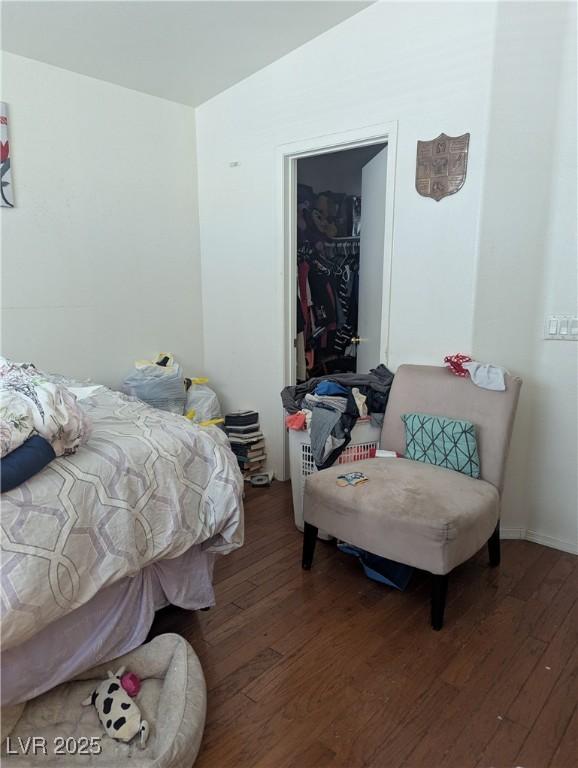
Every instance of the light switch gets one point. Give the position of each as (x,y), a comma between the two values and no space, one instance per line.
(561,328)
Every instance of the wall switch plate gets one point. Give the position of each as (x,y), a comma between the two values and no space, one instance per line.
(561,327)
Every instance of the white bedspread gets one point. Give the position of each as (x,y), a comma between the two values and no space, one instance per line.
(147,485)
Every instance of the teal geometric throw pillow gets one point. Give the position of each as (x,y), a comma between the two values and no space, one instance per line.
(444,442)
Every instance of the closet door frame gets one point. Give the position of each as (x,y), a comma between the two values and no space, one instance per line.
(287,157)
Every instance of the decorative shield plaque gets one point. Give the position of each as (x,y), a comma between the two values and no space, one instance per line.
(441,165)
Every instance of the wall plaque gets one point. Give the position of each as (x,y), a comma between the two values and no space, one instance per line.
(441,165)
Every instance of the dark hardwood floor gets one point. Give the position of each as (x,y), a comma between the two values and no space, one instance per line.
(326,668)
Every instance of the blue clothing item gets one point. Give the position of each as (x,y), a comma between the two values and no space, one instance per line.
(331,388)
(380,568)
(24,462)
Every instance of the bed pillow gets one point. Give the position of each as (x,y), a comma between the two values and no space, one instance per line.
(448,443)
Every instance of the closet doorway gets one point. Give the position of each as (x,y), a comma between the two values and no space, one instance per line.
(339,260)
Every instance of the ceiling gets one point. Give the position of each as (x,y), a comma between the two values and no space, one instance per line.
(184,51)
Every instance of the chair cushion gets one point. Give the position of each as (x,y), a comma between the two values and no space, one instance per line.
(449,443)
(426,516)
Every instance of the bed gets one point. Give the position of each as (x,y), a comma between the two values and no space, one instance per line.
(99,540)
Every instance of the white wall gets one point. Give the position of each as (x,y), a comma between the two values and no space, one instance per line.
(100,259)
(528,266)
(382,65)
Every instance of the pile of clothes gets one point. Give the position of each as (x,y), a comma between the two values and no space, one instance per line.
(329,407)
(39,419)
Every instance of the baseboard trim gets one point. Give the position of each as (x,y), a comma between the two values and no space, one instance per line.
(512,533)
(550,541)
(539,538)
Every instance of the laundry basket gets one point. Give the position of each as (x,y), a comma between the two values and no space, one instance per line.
(364,440)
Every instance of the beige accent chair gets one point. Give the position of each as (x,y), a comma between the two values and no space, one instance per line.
(415,513)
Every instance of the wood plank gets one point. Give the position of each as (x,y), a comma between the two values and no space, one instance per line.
(221,718)
(471,742)
(497,645)
(529,702)
(536,575)
(481,646)
(260,565)
(242,677)
(561,605)
(401,739)
(246,642)
(267,545)
(565,755)
(504,745)
(404,666)
(550,727)
(314,755)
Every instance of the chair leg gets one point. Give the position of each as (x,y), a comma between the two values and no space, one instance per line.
(494,547)
(438,599)
(309,542)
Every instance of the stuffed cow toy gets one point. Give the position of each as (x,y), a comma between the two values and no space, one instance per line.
(118,713)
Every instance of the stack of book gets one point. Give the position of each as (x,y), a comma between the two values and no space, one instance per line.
(246,438)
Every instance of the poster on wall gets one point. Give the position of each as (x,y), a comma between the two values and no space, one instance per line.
(5,171)
(441,165)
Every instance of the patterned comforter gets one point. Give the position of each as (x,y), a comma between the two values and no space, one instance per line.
(147,485)
(33,404)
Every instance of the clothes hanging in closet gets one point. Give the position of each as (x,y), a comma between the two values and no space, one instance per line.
(327,297)
(327,280)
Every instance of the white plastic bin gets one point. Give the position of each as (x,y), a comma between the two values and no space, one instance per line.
(364,441)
